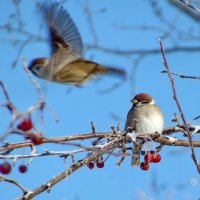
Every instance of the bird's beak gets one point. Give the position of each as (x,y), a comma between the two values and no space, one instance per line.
(134,101)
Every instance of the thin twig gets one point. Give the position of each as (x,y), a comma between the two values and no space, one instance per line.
(186,8)
(93,127)
(88,14)
(37,86)
(182,75)
(46,153)
(179,106)
(196,118)
(189,5)
(3,178)
(8,104)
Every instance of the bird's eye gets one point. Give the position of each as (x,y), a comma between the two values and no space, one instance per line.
(145,102)
(37,67)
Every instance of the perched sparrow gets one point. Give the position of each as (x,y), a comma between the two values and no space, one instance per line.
(66,65)
(144,117)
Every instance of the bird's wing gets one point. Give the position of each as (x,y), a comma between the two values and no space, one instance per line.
(130,122)
(137,146)
(65,38)
(64,34)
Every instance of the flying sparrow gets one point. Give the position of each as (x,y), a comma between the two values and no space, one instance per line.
(144,117)
(66,65)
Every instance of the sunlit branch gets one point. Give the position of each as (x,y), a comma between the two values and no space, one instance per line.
(179,106)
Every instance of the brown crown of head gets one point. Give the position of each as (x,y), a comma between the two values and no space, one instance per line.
(37,61)
(141,98)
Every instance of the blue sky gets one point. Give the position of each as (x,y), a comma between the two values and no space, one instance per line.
(175,176)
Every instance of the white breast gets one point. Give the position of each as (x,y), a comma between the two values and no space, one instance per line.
(150,121)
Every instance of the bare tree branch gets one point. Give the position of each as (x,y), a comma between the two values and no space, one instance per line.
(123,52)
(179,107)
(187,8)
(93,156)
(3,178)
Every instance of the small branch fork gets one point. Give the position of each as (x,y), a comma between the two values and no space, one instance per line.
(182,75)
(3,178)
(179,107)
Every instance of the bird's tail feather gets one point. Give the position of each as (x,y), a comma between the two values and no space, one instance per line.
(112,70)
(136,154)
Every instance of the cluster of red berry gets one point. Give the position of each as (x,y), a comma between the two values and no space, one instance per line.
(5,168)
(150,158)
(27,125)
(99,163)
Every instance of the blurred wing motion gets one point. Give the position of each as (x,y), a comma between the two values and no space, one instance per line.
(66,65)
(66,43)
(64,34)
(81,70)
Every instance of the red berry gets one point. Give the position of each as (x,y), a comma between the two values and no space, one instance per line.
(100,162)
(144,166)
(5,167)
(36,139)
(25,125)
(148,158)
(90,165)
(22,168)
(156,158)
(100,165)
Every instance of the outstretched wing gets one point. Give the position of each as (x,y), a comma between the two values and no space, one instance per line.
(64,34)
(65,38)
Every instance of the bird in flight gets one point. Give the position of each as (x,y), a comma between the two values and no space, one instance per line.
(66,65)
